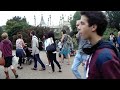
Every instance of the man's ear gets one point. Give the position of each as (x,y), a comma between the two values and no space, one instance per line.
(94,27)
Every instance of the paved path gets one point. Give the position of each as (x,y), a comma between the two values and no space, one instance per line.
(27,73)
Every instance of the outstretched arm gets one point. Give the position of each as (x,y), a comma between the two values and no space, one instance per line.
(62,38)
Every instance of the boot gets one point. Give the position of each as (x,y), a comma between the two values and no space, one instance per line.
(7,75)
(14,71)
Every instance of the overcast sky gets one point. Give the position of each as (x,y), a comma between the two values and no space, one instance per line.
(55,16)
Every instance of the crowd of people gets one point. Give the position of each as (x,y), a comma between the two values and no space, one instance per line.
(100,58)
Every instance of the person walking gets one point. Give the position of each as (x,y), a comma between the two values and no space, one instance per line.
(35,52)
(65,51)
(80,57)
(6,48)
(45,43)
(19,50)
(52,55)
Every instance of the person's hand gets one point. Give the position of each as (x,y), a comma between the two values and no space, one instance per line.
(83,63)
(32,54)
(117,45)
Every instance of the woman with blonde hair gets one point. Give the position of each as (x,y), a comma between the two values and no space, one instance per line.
(6,48)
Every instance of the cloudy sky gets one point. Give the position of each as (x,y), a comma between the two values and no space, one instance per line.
(55,16)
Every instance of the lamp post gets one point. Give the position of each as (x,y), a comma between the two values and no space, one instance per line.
(62,18)
(48,22)
(35,20)
(50,19)
(70,17)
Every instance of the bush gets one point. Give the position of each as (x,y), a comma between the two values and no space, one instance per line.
(108,31)
(75,42)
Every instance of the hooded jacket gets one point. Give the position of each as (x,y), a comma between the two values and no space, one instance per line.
(35,46)
(105,62)
(6,47)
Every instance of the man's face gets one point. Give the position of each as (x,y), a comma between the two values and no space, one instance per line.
(84,28)
(30,34)
(77,24)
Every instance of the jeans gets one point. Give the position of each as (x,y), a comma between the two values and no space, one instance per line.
(37,58)
(77,61)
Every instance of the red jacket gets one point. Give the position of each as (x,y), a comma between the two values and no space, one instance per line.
(104,63)
(6,47)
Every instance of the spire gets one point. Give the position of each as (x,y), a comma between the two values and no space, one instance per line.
(42,22)
(35,20)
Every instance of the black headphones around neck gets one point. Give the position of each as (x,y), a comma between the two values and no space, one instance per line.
(91,49)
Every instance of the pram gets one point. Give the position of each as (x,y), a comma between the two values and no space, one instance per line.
(28,57)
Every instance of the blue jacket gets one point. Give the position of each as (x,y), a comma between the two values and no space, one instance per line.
(104,63)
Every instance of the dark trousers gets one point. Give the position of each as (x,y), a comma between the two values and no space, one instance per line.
(119,48)
(20,61)
(37,58)
(52,57)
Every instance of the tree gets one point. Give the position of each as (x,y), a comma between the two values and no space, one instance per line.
(73,21)
(66,28)
(1,31)
(15,25)
(114,19)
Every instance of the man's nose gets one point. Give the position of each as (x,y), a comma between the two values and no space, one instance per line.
(79,28)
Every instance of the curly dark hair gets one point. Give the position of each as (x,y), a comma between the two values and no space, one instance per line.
(96,18)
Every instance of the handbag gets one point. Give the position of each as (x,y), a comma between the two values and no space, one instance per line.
(51,47)
(2,60)
(14,60)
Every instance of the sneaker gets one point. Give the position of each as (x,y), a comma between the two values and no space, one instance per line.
(21,68)
(16,76)
(33,68)
(42,69)
(60,70)
(51,71)
(18,67)
(47,64)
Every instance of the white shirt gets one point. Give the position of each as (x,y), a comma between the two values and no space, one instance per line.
(60,45)
(49,41)
(45,43)
(88,67)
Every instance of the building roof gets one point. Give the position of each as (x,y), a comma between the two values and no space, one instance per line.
(42,22)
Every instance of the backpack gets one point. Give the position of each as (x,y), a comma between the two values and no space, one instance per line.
(40,45)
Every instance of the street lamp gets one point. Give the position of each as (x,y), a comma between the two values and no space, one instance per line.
(68,19)
(50,19)
(35,20)
(48,22)
(63,18)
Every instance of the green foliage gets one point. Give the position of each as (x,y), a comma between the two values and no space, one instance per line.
(66,28)
(114,19)
(75,42)
(108,31)
(15,25)
(1,31)
(75,18)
